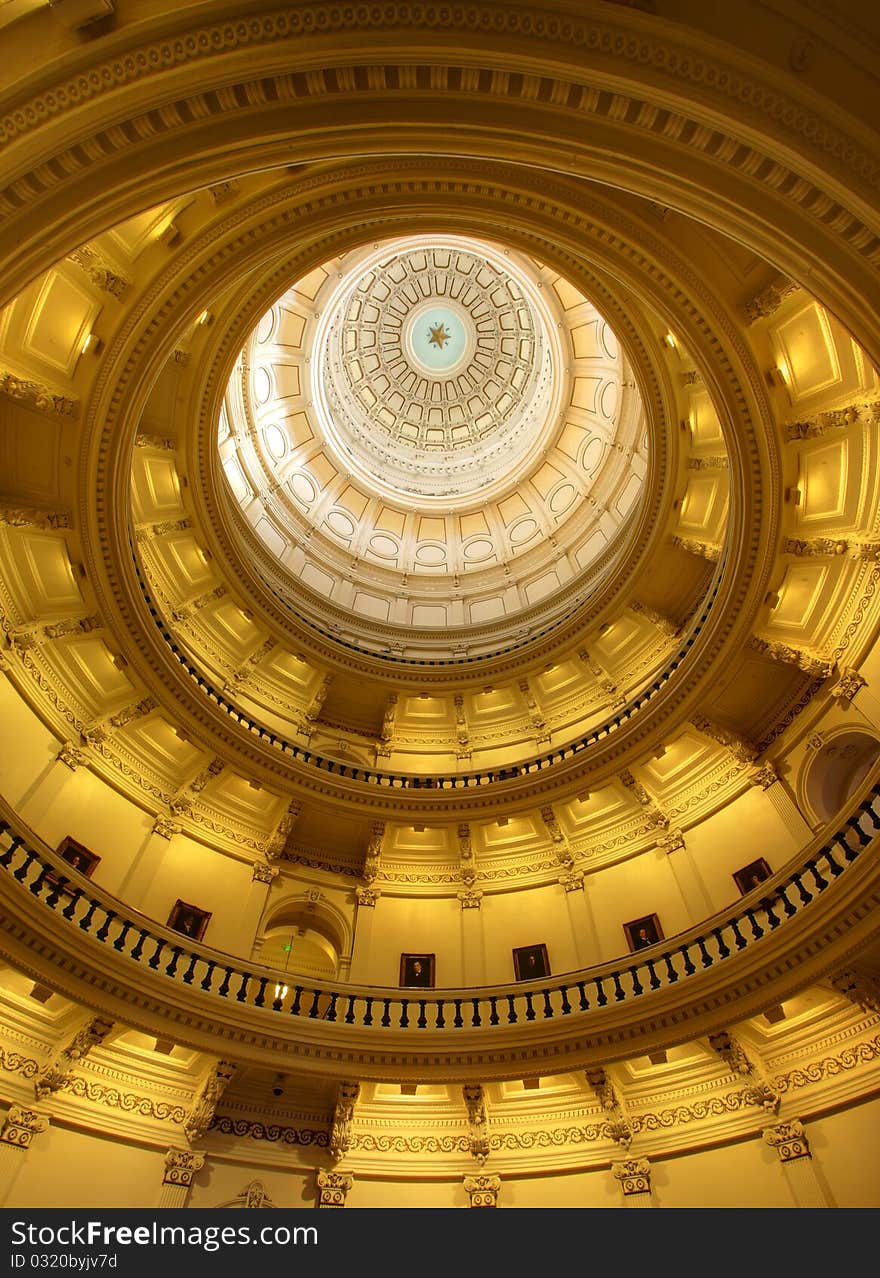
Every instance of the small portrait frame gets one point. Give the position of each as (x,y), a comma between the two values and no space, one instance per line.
(417,971)
(642,933)
(530,962)
(78,855)
(752,875)
(188,919)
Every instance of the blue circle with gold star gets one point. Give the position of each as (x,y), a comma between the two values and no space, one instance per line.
(437,338)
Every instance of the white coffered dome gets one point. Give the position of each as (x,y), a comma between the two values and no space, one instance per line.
(428,411)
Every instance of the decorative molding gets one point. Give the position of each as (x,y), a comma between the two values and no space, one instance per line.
(198,1119)
(347,1094)
(58,1072)
(35,395)
(478,1121)
(273,1133)
(761,1090)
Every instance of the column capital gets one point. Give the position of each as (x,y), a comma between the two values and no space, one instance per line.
(21,1126)
(262,873)
(482,1190)
(180,1167)
(634,1175)
(367,896)
(333,1186)
(789,1140)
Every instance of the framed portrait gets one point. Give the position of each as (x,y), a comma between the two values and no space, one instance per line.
(640,933)
(188,919)
(417,970)
(531,962)
(751,875)
(76,855)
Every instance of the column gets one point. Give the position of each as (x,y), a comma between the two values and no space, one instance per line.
(793,1149)
(19,1129)
(262,876)
(333,1186)
(472,951)
(180,1167)
(362,945)
(687,876)
(574,886)
(634,1178)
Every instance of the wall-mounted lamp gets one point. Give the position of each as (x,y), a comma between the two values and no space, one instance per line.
(669,340)
(91,345)
(793,495)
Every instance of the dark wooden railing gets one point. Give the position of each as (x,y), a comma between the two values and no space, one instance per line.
(101,917)
(412,781)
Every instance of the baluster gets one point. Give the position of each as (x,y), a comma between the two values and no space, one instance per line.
(386,1016)
(832,864)
(457,1019)
(705,956)
(55,895)
(566,1006)
(209,975)
(723,949)
(330,1014)
(368,1010)
(440,1021)
(806,897)
(689,968)
(511,1010)
(104,929)
(493,1016)
(8,856)
(772,918)
(154,961)
(583,1002)
(38,882)
(618,988)
(349,1015)
(636,983)
(119,943)
(476,1022)
(243,988)
(21,873)
(422,1022)
(86,920)
(789,906)
(821,883)
(601,996)
(671,974)
(224,985)
(139,944)
(849,854)
(404,1018)
(70,908)
(171,969)
(191,971)
(530,1011)
(297,995)
(757,930)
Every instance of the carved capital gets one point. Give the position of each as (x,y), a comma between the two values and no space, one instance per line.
(72,756)
(21,1126)
(165,828)
(847,685)
(471,899)
(262,873)
(634,1175)
(366,896)
(180,1167)
(482,1190)
(333,1186)
(789,1140)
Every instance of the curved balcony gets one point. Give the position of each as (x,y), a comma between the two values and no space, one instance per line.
(797,927)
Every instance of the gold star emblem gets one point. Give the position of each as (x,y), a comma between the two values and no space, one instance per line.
(438,335)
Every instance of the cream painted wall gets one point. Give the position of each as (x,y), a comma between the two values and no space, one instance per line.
(846,1154)
(746,829)
(66,1168)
